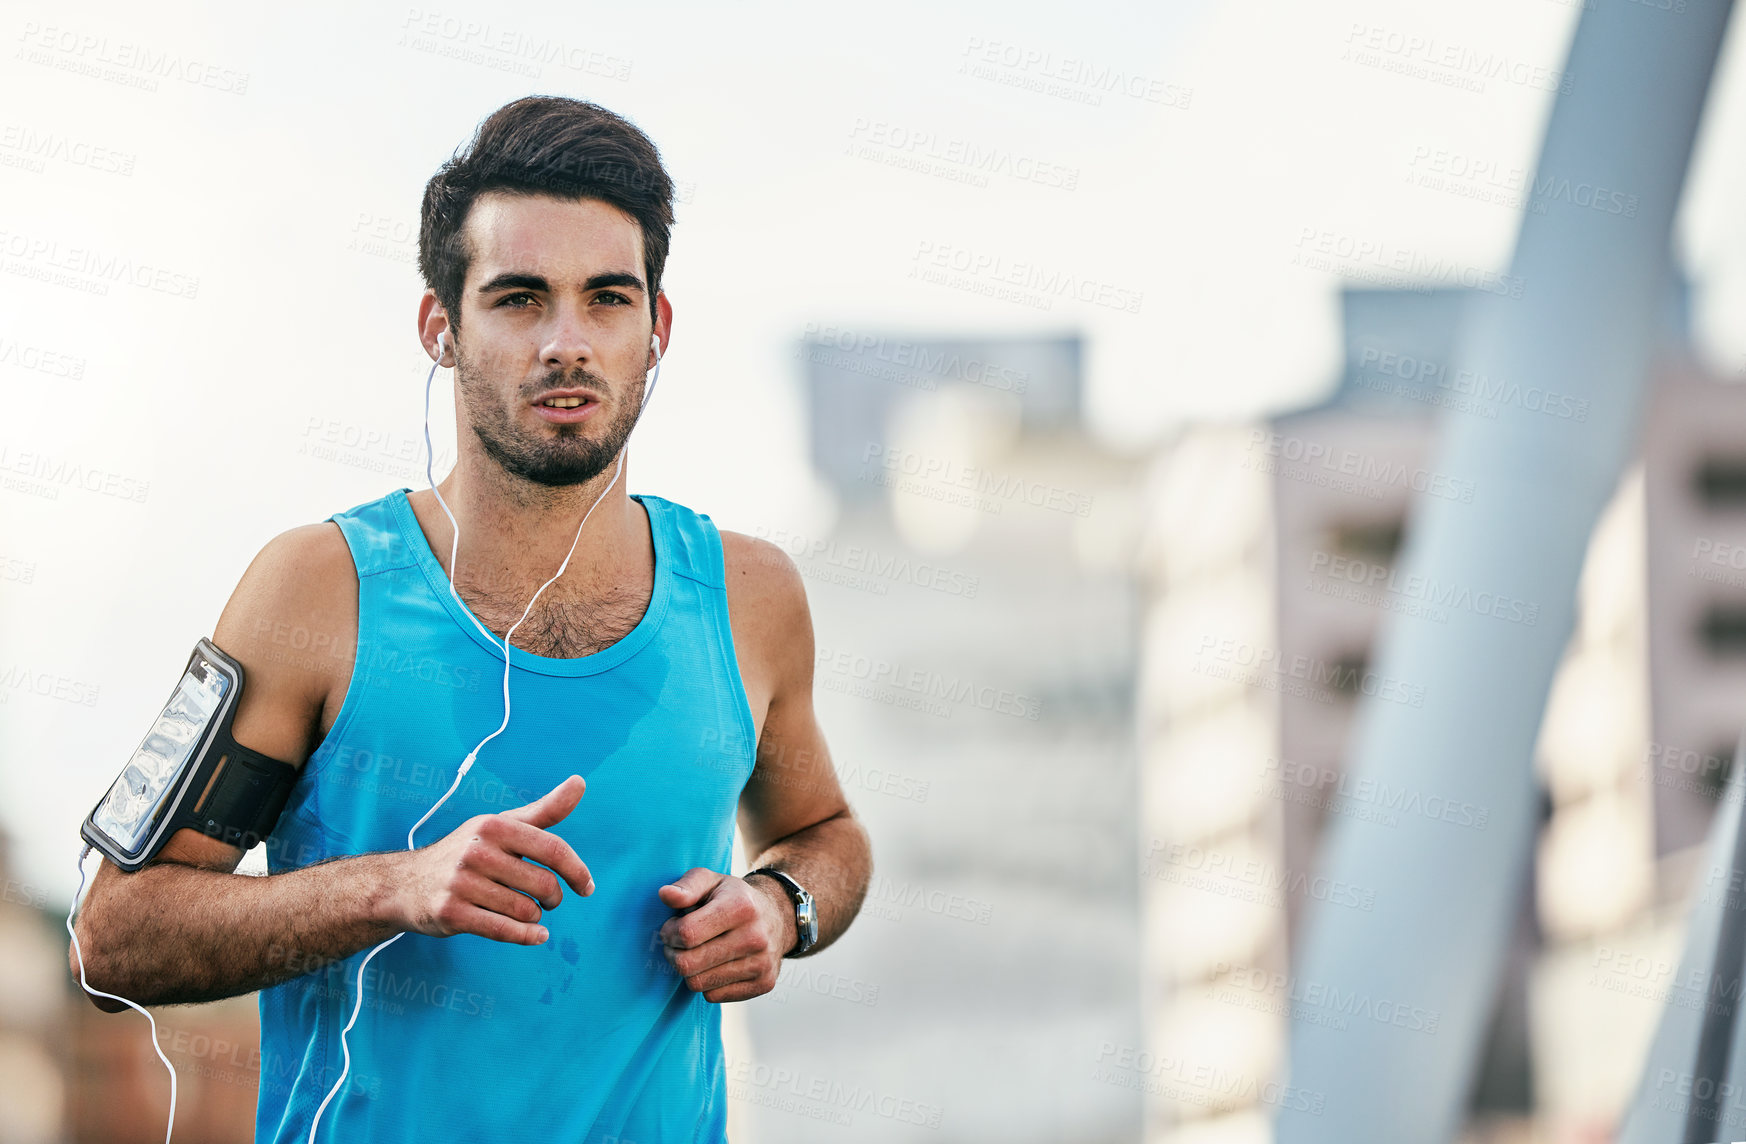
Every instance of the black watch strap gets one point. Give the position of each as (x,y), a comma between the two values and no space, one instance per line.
(805,911)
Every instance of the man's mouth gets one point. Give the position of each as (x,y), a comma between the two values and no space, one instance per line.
(564,406)
(567,398)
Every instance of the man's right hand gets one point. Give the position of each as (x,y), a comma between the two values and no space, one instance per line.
(468,881)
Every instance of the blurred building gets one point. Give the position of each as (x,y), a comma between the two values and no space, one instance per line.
(108,1084)
(32,1011)
(975,615)
(119,1091)
(72,1074)
(1268,559)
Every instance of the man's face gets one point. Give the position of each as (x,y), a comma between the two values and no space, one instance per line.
(554,299)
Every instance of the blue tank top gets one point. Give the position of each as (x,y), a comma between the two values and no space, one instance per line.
(590,1037)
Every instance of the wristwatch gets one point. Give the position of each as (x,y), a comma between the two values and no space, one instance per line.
(805,912)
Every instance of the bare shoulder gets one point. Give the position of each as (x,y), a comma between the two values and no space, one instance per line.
(771,621)
(304,569)
(292,623)
(763,582)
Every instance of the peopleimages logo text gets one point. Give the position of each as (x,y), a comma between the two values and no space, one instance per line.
(1360,466)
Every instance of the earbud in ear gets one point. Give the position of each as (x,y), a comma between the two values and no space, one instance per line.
(655,344)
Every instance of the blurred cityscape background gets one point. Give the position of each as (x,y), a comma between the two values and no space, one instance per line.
(1116,425)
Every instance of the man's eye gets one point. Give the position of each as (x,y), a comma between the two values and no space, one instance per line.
(508,298)
(614,296)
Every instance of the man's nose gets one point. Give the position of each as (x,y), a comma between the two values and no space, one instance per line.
(568,347)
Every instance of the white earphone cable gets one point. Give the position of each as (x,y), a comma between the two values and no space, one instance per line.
(86,986)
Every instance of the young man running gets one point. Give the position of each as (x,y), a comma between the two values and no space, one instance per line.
(660,687)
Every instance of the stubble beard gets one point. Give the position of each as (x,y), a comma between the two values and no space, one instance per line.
(555,456)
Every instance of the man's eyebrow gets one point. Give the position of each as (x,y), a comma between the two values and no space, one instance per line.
(521,280)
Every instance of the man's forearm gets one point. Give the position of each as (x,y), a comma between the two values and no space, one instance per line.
(833,859)
(174,933)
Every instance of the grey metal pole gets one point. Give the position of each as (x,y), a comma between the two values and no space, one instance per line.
(1577,317)
(1691,1085)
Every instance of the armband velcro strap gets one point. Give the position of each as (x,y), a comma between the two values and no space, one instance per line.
(245,795)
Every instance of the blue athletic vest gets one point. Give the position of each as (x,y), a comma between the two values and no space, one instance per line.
(590,1038)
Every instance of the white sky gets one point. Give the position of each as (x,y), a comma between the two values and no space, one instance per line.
(754,107)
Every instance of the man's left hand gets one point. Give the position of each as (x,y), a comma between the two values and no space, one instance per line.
(730,935)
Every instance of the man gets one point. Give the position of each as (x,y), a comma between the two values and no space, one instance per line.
(659,686)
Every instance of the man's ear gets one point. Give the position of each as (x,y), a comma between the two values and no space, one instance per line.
(663,326)
(435,332)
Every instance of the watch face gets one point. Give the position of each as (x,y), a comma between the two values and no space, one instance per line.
(805,911)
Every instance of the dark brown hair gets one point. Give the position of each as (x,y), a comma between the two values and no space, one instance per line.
(544,145)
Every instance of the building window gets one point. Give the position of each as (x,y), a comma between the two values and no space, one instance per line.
(1375,542)
(1348,673)
(1718,766)
(1723,630)
(1721,482)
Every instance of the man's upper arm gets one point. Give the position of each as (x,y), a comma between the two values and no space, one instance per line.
(794,785)
(292,625)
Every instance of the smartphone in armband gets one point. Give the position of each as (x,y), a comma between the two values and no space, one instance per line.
(188,772)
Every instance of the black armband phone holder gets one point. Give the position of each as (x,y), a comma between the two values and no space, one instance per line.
(189,773)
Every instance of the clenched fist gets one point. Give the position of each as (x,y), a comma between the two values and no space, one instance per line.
(730,935)
(468,882)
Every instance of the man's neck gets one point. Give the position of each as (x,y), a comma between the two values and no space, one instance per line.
(515,533)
